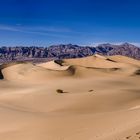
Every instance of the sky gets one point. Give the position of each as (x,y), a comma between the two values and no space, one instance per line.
(82,22)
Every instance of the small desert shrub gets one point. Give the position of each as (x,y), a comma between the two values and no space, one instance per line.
(90,90)
(59,91)
(137,72)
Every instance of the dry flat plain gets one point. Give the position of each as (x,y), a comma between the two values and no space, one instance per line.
(92,98)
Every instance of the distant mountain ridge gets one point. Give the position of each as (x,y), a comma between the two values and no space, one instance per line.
(22,53)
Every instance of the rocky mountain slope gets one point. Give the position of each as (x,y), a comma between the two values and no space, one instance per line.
(36,54)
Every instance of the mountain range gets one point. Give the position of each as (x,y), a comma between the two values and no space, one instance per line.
(62,51)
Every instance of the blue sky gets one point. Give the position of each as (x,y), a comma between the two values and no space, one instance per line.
(84,22)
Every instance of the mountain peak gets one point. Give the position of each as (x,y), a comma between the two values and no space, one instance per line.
(127,44)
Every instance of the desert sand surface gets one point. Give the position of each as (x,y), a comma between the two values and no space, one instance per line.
(100,99)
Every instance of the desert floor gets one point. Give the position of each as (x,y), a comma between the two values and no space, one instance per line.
(100,99)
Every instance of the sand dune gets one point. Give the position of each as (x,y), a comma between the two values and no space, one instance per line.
(100,99)
(29,72)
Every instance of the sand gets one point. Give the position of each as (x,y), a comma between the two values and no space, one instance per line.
(100,99)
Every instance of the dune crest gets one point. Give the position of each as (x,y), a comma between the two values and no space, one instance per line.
(80,67)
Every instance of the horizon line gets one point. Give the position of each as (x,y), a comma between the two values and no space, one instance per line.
(137,44)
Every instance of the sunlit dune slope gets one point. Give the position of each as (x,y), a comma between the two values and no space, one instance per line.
(99,99)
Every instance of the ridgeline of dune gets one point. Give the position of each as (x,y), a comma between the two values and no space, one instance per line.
(81,67)
(30,72)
